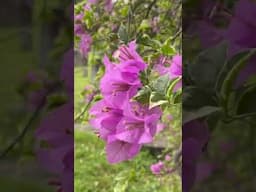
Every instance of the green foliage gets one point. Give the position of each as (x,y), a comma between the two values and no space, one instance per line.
(207,65)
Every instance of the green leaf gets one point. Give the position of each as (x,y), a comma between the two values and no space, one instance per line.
(227,67)
(188,116)
(167,48)
(177,97)
(195,98)
(251,80)
(144,25)
(232,75)
(160,85)
(171,86)
(207,65)
(157,99)
(123,34)
(143,95)
(56,100)
(247,102)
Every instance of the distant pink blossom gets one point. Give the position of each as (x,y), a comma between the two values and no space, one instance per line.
(157,168)
(85,44)
(167,157)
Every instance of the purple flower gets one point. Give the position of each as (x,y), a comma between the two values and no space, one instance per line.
(108,5)
(241,36)
(78,29)
(176,70)
(57,156)
(160,65)
(121,82)
(79,18)
(160,127)
(125,53)
(154,24)
(123,124)
(195,135)
(92,1)
(138,124)
(118,151)
(157,168)
(176,66)
(242,28)
(105,118)
(85,44)
(167,158)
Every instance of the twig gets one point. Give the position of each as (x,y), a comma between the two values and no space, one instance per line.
(85,109)
(27,126)
(149,8)
(23,132)
(176,35)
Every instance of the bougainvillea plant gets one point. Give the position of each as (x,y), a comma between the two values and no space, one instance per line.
(132,54)
(129,112)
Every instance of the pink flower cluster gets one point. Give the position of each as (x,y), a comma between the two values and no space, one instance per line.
(173,68)
(57,153)
(160,167)
(125,125)
(85,38)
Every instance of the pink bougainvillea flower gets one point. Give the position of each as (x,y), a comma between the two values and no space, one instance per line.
(56,157)
(118,151)
(85,44)
(172,67)
(157,167)
(87,6)
(105,118)
(167,157)
(129,52)
(176,66)
(122,82)
(176,70)
(78,29)
(79,18)
(123,124)
(138,124)
(108,5)
(160,127)
(160,65)
(155,24)
(195,135)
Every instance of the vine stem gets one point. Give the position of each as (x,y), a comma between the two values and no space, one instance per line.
(149,8)
(176,35)
(85,108)
(27,126)
(23,132)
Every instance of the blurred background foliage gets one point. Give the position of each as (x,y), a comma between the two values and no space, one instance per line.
(34,35)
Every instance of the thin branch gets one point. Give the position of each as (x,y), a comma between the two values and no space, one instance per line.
(176,35)
(23,132)
(149,8)
(28,124)
(85,108)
